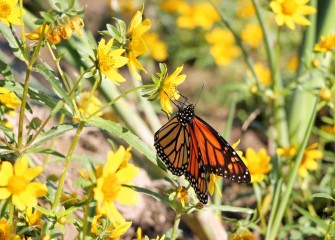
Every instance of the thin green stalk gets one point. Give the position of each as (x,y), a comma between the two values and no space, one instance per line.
(275,203)
(11,218)
(175,226)
(94,87)
(266,36)
(258,195)
(25,93)
(87,215)
(23,35)
(293,174)
(66,165)
(118,98)
(79,80)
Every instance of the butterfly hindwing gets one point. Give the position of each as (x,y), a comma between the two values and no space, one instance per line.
(172,142)
(217,154)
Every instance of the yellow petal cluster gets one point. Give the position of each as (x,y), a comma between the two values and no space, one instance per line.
(258,164)
(10,12)
(326,44)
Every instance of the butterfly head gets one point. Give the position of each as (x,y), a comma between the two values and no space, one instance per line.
(185,115)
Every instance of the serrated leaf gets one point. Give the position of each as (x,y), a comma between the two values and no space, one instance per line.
(124,133)
(46,151)
(53,133)
(5,71)
(49,75)
(13,42)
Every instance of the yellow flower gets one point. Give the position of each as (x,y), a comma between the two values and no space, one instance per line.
(169,90)
(4,230)
(242,233)
(9,12)
(157,48)
(139,236)
(201,14)
(182,195)
(96,224)
(246,9)
(110,189)
(33,218)
(289,151)
(252,34)
(309,160)
(293,63)
(172,5)
(258,164)
(94,105)
(263,74)
(118,230)
(37,33)
(137,45)
(223,48)
(109,61)
(15,182)
(8,98)
(326,44)
(213,184)
(291,12)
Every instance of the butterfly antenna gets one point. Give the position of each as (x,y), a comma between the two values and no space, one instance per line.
(202,88)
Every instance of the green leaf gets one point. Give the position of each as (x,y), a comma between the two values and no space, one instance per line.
(12,40)
(49,75)
(5,71)
(124,133)
(45,211)
(323,195)
(318,221)
(227,208)
(45,150)
(53,133)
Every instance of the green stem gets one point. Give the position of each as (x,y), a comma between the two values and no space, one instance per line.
(118,98)
(175,226)
(258,195)
(79,80)
(87,214)
(293,174)
(11,218)
(23,35)
(66,166)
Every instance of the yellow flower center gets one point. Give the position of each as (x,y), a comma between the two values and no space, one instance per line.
(111,187)
(5,9)
(17,184)
(289,7)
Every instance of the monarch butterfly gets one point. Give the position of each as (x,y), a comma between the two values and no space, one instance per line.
(190,146)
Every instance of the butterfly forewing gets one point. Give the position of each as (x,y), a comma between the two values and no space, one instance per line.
(172,142)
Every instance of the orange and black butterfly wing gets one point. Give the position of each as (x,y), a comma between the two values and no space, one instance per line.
(217,155)
(195,172)
(172,142)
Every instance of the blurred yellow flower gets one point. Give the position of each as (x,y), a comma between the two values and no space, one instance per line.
(325,94)
(328,129)
(94,105)
(64,30)
(182,195)
(201,14)
(7,124)
(118,229)
(263,74)
(8,98)
(96,224)
(4,230)
(137,46)
(110,186)
(291,12)
(223,48)
(110,60)
(33,218)
(309,160)
(9,12)
(258,164)
(293,63)
(245,9)
(252,34)
(172,5)
(157,48)
(289,151)
(15,182)
(242,233)
(169,90)
(326,43)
